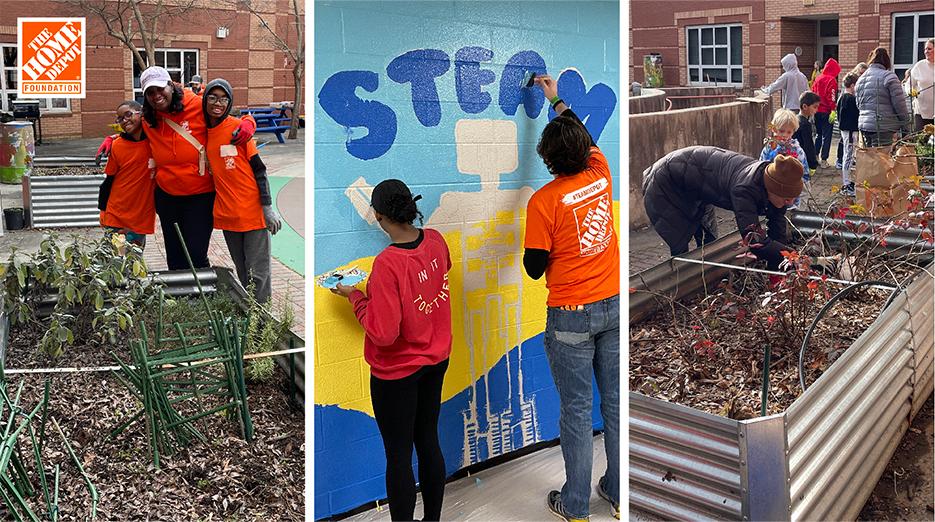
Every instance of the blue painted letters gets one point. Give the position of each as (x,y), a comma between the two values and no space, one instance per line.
(469,78)
(511,93)
(338,99)
(420,68)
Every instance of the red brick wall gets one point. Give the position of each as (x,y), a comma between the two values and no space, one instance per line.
(772,29)
(247,58)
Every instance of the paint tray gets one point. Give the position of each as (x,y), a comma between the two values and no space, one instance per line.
(350,277)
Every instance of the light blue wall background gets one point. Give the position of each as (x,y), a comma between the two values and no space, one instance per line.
(359,41)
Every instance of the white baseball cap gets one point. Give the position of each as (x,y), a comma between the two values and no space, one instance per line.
(154,76)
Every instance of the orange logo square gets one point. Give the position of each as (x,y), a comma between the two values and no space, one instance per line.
(51,57)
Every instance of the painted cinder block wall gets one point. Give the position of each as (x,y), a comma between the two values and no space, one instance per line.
(428,92)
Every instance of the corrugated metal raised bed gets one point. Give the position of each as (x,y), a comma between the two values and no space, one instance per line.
(182,283)
(62,201)
(820,458)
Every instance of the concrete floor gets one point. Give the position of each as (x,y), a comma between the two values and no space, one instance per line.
(515,490)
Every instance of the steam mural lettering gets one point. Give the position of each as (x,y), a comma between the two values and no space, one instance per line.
(448,116)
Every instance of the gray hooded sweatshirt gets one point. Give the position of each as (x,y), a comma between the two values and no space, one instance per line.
(792,83)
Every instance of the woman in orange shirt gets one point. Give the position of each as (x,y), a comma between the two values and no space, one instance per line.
(184,193)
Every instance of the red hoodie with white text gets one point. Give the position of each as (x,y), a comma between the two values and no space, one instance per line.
(406,313)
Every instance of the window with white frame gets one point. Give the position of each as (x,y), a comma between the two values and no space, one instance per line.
(910,31)
(715,54)
(8,85)
(181,65)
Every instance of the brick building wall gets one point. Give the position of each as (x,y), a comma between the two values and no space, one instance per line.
(771,29)
(429,93)
(247,58)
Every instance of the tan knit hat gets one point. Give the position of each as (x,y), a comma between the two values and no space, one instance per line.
(783,177)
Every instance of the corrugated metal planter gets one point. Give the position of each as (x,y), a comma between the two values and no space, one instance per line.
(182,282)
(62,201)
(818,460)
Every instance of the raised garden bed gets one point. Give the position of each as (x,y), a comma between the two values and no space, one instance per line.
(224,477)
(700,447)
(62,192)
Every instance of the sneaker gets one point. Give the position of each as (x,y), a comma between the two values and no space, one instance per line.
(838,165)
(601,492)
(848,190)
(554,500)
(824,164)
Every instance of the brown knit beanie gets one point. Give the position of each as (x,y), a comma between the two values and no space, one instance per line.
(783,177)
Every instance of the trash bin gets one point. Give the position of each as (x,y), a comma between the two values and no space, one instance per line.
(17,148)
(14,218)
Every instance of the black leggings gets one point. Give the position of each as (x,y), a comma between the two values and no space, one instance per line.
(195,216)
(407,414)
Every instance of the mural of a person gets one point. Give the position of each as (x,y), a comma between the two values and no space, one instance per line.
(570,238)
(406,315)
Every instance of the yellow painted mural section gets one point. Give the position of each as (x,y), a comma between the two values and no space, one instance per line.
(480,317)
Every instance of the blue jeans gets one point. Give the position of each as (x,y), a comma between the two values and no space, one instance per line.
(578,344)
(823,141)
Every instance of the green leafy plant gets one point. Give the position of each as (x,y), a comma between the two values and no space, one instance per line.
(89,290)
(264,333)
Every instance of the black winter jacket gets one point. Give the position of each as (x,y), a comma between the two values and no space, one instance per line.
(678,186)
(804,137)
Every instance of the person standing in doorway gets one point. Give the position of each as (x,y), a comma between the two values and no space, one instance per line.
(570,238)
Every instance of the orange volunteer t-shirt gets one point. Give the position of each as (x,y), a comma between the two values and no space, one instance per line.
(130,204)
(573,218)
(237,201)
(176,158)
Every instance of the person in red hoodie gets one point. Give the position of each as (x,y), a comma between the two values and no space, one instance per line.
(406,316)
(826,87)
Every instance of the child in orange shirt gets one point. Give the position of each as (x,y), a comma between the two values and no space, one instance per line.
(126,196)
(243,205)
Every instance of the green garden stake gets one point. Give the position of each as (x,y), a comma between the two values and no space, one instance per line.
(765,393)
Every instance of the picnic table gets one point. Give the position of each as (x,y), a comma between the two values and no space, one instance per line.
(270,119)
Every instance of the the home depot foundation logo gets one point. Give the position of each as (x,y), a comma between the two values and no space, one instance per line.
(51,57)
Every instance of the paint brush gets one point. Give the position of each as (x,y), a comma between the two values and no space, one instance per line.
(528,79)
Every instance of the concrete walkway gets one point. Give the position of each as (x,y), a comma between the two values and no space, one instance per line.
(282,160)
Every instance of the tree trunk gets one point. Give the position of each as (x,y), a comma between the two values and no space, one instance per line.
(297,78)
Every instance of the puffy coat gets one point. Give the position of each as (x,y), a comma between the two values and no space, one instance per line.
(881,101)
(792,83)
(679,186)
(826,86)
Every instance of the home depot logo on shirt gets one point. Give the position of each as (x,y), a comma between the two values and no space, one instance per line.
(51,57)
(229,155)
(593,217)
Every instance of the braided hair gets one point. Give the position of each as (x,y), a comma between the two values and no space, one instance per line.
(393,199)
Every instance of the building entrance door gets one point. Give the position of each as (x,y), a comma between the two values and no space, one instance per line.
(827,40)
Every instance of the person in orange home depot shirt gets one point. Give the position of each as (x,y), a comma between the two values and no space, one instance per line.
(176,131)
(126,198)
(570,238)
(242,205)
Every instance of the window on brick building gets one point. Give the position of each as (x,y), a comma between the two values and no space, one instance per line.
(8,85)
(715,55)
(181,64)
(910,31)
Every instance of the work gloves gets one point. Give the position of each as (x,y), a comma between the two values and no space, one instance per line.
(826,264)
(273,221)
(244,132)
(104,149)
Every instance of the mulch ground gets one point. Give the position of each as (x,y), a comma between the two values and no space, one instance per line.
(723,376)
(68,171)
(226,478)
